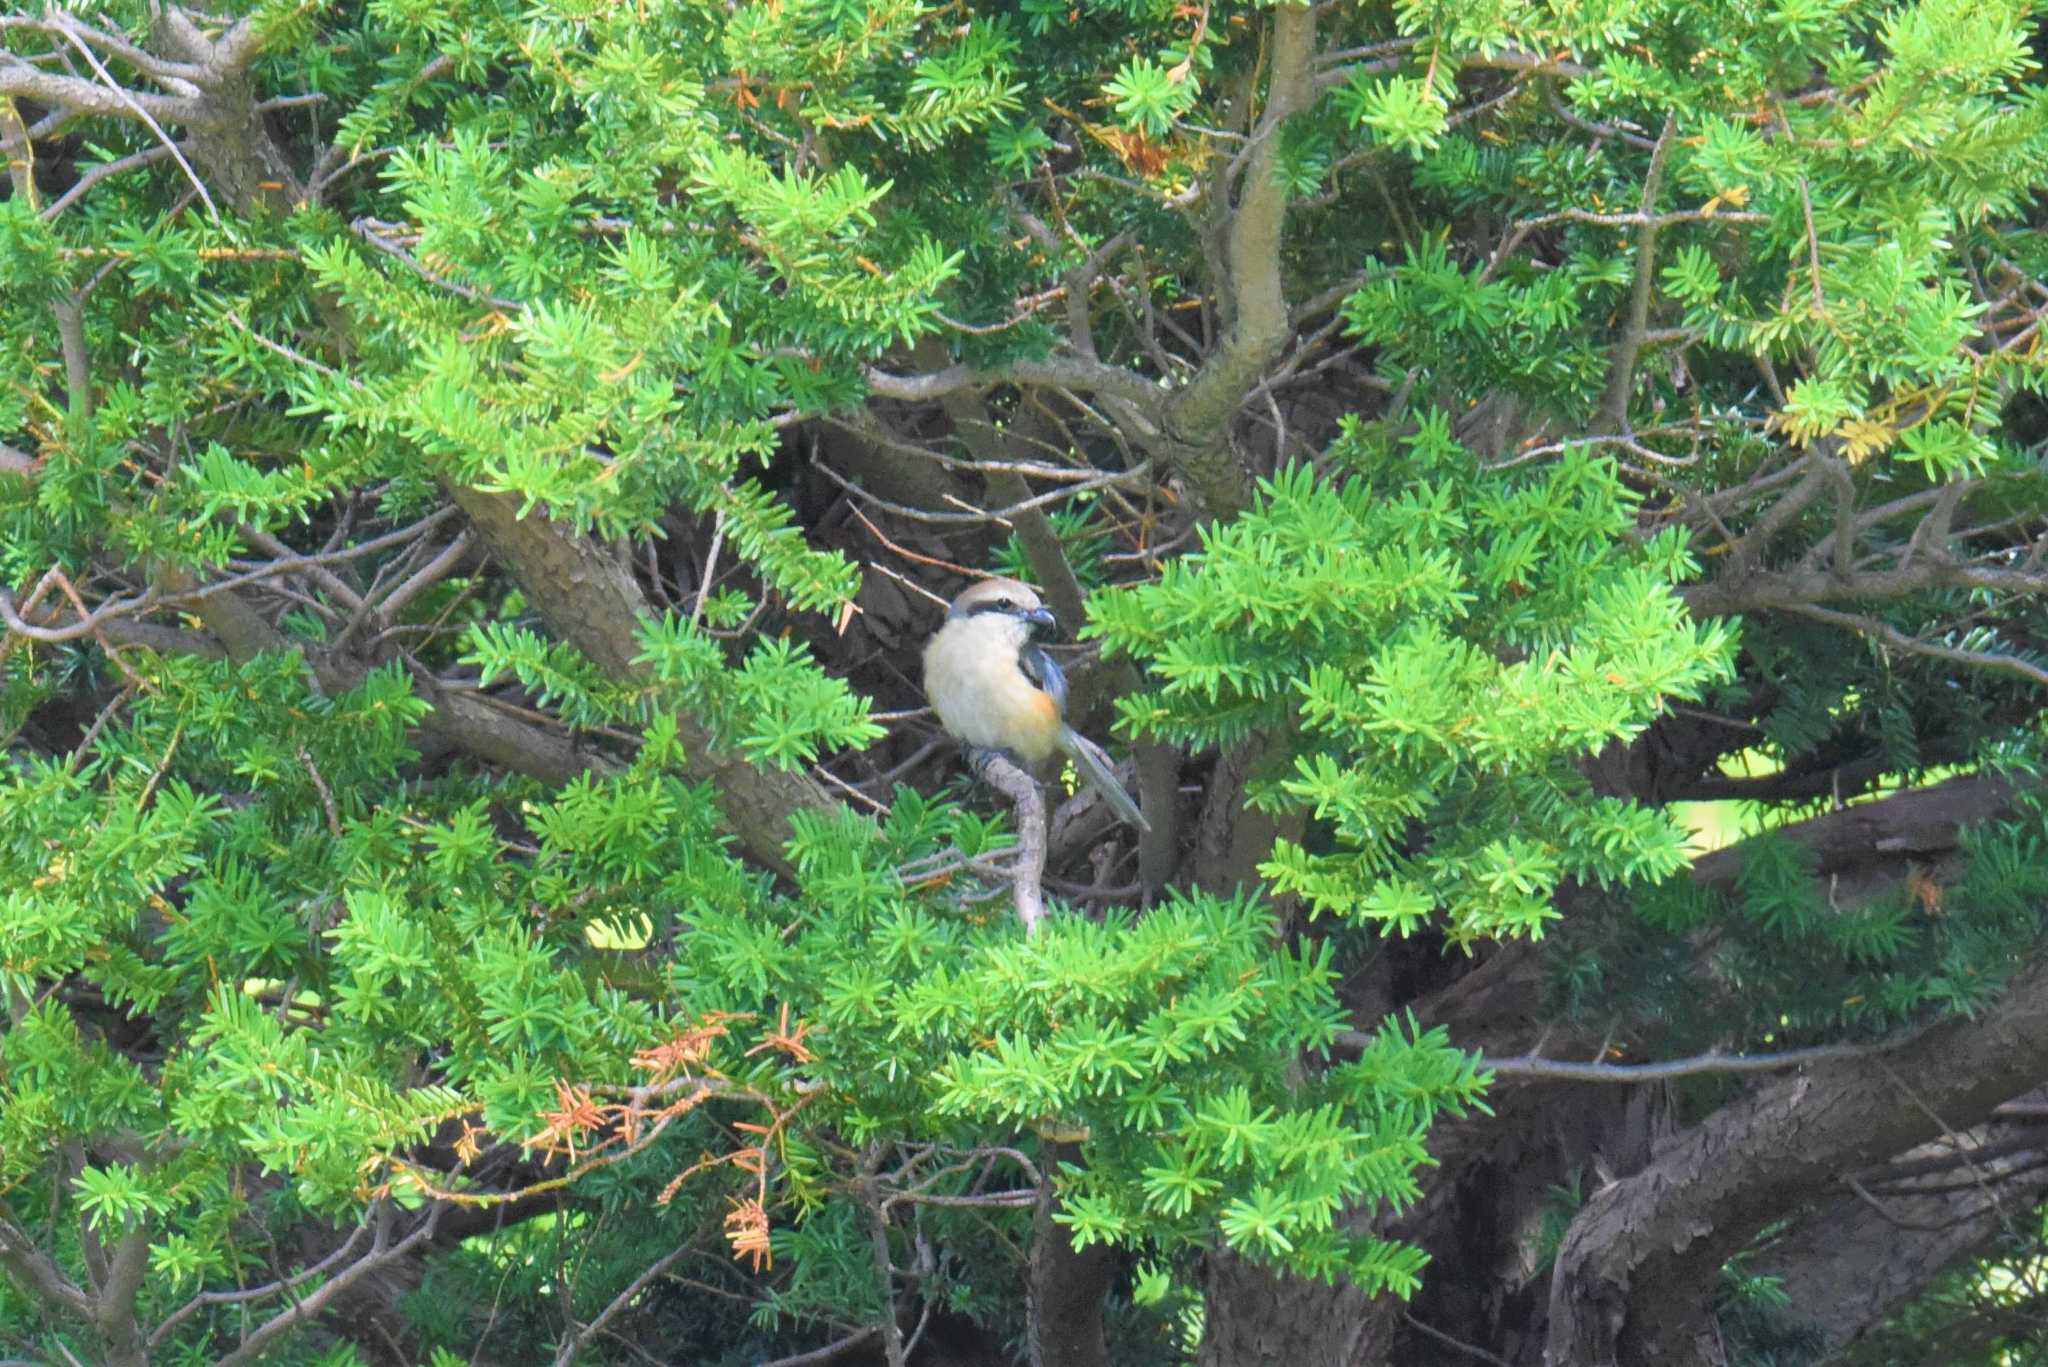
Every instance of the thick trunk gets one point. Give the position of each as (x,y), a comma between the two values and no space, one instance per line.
(1855,1258)
(1255,1318)
(1067,1285)
(1638,1270)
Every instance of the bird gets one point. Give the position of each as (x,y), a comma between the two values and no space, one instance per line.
(995,689)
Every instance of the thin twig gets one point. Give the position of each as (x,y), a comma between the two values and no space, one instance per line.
(832,1351)
(573,1343)
(94,175)
(1469,1349)
(363,228)
(1899,640)
(326,794)
(126,98)
(711,566)
(1561,1070)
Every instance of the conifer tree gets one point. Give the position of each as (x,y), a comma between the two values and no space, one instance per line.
(476,882)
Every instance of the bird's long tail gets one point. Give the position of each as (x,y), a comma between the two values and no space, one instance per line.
(1094,765)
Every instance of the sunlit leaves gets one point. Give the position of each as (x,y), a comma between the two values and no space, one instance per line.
(1444,649)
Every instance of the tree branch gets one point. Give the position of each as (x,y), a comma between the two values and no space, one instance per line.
(1847,1265)
(254,1293)
(1636,1276)
(35,1272)
(575,1341)
(377,1255)
(1061,372)
(1027,878)
(1899,640)
(114,1316)
(588,598)
(1198,420)
(80,96)
(1622,370)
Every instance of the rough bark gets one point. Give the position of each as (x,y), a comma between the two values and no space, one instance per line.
(587,597)
(1067,1285)
(1254,1317)
(1852,1259)
(1636,1275)
(1479,1215)
(1920,824)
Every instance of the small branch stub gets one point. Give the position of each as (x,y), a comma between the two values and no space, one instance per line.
(1027,877)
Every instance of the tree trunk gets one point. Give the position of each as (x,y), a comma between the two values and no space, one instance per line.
(1637,1274)
(1254,1318)
(1067,1284)
(1854,1259)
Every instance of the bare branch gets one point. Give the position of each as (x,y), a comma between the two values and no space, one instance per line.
(831,1352)
(1599,130)
(1027,876)
(380,1252)
(34,1271)
(256,1293)
(74,95)
(180,78)
(575,1341)
(1560,1070)
(424,578)
(92,623)
(1198,422)
(1899,640)
(1742,557)
(367,230)
(149,156)
(128,98)
(1058,372)
(971,516)
(1622,369)
(1639,221)
(1468,1349)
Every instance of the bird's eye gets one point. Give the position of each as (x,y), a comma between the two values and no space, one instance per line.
(1005,605)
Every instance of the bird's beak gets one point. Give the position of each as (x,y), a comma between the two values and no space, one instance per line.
(1044,621)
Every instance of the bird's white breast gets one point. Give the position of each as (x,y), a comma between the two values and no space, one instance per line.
(981,696)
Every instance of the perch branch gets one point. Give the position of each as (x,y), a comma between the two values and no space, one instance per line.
(1028,873)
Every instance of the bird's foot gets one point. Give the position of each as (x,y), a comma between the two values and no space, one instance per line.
(981,756)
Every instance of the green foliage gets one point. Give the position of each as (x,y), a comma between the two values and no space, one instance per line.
(1441,648)
(271,953)
(1799,958)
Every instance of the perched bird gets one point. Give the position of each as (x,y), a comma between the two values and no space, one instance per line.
(994,688)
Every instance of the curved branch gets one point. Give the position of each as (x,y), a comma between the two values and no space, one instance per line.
(255,1293)
(90,624)
(1059,373)
(80,96)
(1899,640)
(1198,421)
(35,1272)
(1637,1273)
(1027,877)
(377,1255)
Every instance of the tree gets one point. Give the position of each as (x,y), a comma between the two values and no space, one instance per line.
(478,887)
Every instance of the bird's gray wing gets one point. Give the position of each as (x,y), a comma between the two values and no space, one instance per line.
(1044,674)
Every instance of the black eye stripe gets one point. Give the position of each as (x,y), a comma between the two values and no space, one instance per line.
(999,605)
